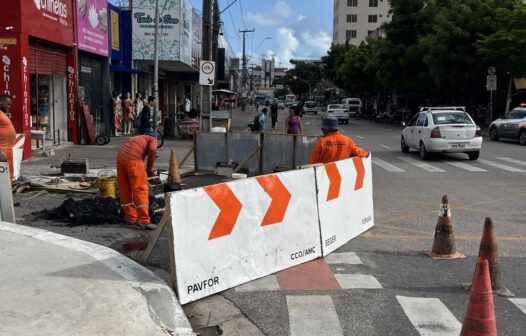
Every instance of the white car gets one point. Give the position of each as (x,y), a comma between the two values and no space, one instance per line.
(442,130)
(511,126)
(339,111)
(353,105)
(310,107)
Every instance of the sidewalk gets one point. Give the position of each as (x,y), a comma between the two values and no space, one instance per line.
(56,285)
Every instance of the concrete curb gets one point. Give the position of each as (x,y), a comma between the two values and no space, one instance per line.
(163,305)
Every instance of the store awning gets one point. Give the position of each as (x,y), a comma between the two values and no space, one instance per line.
(118,68)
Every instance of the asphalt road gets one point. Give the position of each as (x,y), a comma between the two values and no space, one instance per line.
(418,295)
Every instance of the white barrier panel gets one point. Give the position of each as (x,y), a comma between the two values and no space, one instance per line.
(18,153)
(345,201)
(231,233)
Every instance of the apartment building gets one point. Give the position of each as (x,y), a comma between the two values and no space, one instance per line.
(355,20)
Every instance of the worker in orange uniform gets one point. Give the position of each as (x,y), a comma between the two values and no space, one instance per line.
(132,177)
(7,131)
(334,146)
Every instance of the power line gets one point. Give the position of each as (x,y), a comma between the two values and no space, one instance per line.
(242,16)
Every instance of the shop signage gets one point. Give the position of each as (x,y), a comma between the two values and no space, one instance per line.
(115,41)
(92,26)
(72,97)
(175,31)
(14,80)
(51,20)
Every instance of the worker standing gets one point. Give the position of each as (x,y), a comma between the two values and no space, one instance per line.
(132,178)
(7,131)
(334,146)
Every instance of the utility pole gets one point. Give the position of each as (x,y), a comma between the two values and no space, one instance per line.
(244,73)
(206,53)
(156,66)
(215,36)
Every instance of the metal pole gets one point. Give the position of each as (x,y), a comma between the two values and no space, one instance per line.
(156,66)
(206,53)
(244,73)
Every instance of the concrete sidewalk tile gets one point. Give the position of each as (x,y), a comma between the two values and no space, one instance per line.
(268,283)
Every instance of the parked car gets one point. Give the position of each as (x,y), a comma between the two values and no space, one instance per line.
(511,126)
(339,111)
(442,130)
(281,105)
(310,107)
(353,105)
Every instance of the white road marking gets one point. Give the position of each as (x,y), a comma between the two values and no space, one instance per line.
(522,163)
(430,316)
(268,283)
(501,166)
(387,166)
(359,136)
(419,164)
(350,258)
(384,146)
(520,303)
(465,166)
(313,315)
(357,281)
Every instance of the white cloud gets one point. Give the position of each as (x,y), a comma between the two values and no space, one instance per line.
(262,19)
(281,8)
(319,42)
(301,17)
(287,44)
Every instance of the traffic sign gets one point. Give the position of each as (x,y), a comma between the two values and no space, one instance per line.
(491,82)
(207,72)
(492,70)
(279,87)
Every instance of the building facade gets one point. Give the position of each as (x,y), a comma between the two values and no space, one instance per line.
(355,20)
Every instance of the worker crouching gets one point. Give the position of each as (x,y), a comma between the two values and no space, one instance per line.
(133,178)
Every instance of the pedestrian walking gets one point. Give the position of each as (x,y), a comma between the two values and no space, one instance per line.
(293,121)
(7,131)
(145,123)
(132,178)
(116,109)
(128,113)
(259,121)
(274,113)
(334,146)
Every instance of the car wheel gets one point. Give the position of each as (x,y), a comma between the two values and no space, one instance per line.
(424,154)
(473,155)
(493,134)
(522,137)
(403,146)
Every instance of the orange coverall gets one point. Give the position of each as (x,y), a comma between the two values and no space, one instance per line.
(7,140)
(335,146)
(132,177)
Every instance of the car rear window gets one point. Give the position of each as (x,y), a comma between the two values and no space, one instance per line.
(310,104)
(445,118)
(336,106)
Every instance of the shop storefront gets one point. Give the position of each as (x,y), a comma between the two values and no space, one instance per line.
(37,50)
(92,36)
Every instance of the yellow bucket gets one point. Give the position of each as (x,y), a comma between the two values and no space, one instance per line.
(107,186)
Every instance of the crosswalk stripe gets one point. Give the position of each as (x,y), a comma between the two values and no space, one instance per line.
(520,303)
(522,163)
(357,281)
(430,316)
(387,166)
(501,166)
(350,258)
(465,166)
(313,315)
(384,146)
(419,164)
(268,283)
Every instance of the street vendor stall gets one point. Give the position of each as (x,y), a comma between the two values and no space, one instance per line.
(224,102)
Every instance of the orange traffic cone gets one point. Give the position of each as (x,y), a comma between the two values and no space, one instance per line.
(173,169)
(444,241)
(480,315)
(489,251)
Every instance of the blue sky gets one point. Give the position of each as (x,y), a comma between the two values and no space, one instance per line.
(297,28)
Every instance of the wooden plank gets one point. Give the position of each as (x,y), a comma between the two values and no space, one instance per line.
(155,237)
(90,134)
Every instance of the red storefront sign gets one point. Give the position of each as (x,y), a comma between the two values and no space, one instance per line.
(72,96)
(14,80)
(50,20)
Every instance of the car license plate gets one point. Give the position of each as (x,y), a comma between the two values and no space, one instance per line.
(458,145)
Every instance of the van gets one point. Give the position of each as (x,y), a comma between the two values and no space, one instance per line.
(353,105)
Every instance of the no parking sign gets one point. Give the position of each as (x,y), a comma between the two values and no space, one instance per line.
(207,72)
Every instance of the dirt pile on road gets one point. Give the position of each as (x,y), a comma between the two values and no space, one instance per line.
(95,211)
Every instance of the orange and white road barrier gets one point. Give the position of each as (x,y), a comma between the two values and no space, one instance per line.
(345,201)
(444,241)
(480,315)
(231,233)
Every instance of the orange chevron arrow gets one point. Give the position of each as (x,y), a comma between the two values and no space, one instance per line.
(280,199)
(229,207)
(360,172)
(335,181)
